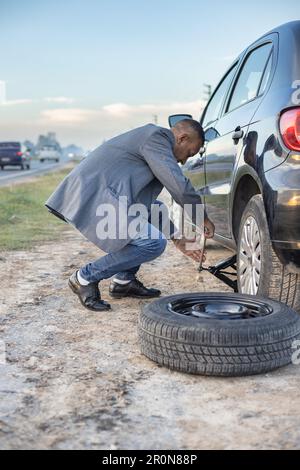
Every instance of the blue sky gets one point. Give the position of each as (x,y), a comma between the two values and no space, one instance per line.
(92,68)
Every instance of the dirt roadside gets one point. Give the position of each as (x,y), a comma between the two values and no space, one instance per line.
(76,380)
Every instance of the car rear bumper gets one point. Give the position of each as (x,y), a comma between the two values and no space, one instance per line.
(11,161)
(282,203)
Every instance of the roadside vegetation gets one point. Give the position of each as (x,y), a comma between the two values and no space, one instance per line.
(24,220)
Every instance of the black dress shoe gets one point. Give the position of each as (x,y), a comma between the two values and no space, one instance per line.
(88,295)
(132,289)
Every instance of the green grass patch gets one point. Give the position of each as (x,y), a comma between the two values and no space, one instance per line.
(24,220)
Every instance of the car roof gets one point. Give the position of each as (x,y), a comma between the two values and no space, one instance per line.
(10,142)
(285,27)
(292,27)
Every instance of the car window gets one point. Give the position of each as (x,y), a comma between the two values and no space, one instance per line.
(213,109)
(266,75)
(247,85)
(10,145)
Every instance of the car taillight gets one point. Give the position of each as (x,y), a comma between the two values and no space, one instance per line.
(19,154)
(290,128)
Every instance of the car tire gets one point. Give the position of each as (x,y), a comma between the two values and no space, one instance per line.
(42,160)
(22,167)
(28,167)
(269,275)
(217,346)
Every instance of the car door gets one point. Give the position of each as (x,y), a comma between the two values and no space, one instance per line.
(240,102)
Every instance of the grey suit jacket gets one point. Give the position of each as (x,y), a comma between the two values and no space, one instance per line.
(136,164)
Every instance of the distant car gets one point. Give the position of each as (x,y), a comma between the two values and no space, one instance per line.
(14,154)
(75,156)
(49,152)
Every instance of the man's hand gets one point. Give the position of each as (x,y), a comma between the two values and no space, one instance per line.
(182,244)
(209,228)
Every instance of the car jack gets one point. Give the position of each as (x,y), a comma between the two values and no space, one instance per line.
(218,270)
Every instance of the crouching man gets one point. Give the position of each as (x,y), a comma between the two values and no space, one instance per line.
(132,167)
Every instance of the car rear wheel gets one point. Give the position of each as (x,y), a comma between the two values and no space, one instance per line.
(259,269)
(219,334)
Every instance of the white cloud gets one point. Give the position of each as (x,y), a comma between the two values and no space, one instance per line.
(122,110)
(53,99)
(68,115)
(16,102)
(117,113)
(5,102)
(59,99)
(118,109)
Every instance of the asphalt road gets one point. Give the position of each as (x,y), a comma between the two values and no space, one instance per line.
(12,174)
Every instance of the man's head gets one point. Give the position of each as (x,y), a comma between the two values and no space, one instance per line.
(189,138)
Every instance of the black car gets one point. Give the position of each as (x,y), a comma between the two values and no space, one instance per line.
(249,169)
(14,154)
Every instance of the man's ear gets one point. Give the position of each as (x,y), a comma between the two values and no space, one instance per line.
(183,137)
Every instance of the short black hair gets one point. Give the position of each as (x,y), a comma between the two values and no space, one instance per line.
(195,125)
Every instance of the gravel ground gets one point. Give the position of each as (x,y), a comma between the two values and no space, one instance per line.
(73,379)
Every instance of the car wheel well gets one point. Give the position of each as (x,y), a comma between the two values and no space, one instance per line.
(246,189)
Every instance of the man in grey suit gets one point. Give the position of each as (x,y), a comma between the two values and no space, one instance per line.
(129,169)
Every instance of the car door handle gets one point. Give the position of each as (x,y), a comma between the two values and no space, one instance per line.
(237,135)
(202,150)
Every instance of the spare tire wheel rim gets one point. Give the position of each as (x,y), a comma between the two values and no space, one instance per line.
(249,264)
(219,309)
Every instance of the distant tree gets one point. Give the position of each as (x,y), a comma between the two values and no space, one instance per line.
(73,149)
(30,145)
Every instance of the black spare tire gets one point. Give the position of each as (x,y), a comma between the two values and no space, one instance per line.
(218,334)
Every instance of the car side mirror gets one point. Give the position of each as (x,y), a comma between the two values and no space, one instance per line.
(174,118)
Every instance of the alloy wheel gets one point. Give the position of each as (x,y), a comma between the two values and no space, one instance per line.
(249,263)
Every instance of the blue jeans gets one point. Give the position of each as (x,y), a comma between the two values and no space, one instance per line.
(125,263)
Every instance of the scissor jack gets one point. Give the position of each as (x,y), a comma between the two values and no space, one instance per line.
(218,270)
